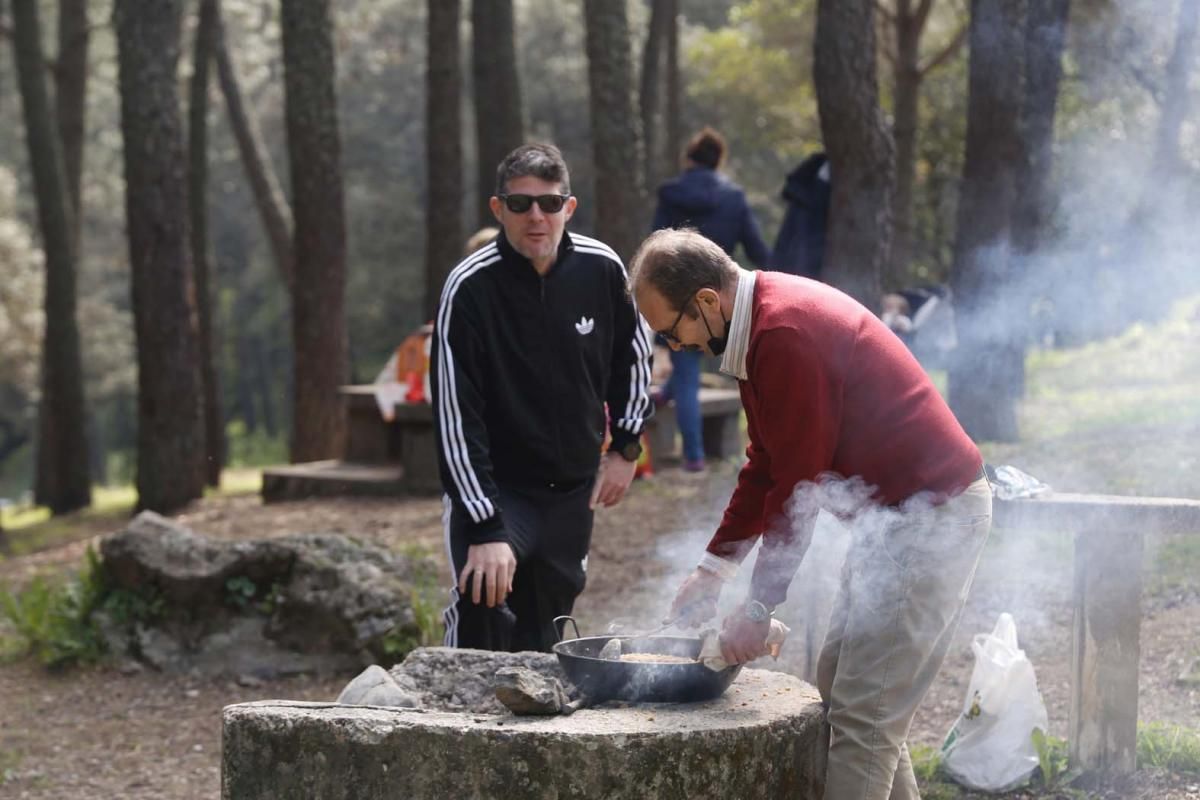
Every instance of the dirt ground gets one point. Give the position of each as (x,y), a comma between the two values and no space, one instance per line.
(106,733)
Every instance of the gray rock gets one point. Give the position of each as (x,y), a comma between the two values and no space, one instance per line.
(525,692)
(375,686)
(759,740)
(267,607)
(461,679)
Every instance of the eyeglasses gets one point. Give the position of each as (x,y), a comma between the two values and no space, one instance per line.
(548,203)
(669,333)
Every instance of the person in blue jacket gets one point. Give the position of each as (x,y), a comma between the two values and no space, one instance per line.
(703,198)
(800,245)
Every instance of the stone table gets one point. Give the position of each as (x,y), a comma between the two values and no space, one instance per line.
(758,740)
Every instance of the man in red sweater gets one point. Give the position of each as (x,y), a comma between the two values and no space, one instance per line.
(840,417)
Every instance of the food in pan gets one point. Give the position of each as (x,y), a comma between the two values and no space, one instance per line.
(656,658)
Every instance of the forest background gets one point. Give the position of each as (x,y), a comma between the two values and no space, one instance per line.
(1114,241)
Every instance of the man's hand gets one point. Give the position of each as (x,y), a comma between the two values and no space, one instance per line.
(613,479)
(493,562)
(741,639)
(696,601)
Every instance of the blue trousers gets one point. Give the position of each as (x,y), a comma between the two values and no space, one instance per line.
(684,388)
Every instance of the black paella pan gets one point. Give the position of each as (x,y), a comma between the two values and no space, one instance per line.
(601,679)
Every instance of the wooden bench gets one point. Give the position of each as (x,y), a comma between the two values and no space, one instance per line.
(389,458)
(1109,534)
(409,439)
(720,416)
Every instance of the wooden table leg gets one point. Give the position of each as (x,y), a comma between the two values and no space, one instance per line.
(1105,650)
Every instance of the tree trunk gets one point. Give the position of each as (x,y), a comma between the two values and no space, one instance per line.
(907,90)
(649,97)
(170,423)
(61,481)
(71,99)
(1045,36)
(443,150)
(264,184)
(987,372)
(620,196)
(264,375)
(498,123)
(318,296)
(859,145)
(672,147)
(1167,161)
(1157,285)
(214,426)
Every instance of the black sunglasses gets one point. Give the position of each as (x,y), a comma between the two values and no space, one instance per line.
(548,203)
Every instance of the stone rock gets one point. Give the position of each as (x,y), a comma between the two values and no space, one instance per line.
(759,740)
(461,679)
(525,692)
(265,608)
(375,686)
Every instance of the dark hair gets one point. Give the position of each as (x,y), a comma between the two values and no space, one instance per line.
(706,147)
(679,262)
(539,160)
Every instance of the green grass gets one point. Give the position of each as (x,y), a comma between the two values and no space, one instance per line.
(1147,376)
(53,620)
(1159,746)
(1168,747)
(9,761)
(1174,565)
(32,529)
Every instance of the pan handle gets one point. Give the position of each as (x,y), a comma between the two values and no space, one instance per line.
(560,626)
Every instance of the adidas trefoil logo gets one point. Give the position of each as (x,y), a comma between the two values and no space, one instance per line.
(585,325)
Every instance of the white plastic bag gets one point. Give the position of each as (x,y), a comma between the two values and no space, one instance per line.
(990,746)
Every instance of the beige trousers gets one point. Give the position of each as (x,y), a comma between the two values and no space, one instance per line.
(903,587)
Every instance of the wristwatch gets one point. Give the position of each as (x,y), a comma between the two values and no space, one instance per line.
(631,451)
(757,612)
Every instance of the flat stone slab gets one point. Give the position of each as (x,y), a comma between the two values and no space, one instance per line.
(758,740)
(331,478)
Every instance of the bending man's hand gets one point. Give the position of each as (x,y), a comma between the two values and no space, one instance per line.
(490,569)
(696,601)
(613,479)
(741,639)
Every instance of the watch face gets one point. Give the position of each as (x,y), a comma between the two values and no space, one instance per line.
(757,612)
(631,451)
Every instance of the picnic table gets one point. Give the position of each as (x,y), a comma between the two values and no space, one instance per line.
(409,440)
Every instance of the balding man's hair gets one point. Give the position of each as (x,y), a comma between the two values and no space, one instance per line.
(678,262)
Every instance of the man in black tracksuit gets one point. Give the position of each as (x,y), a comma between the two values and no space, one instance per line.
(534,334)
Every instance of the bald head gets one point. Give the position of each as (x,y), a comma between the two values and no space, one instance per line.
(677,263)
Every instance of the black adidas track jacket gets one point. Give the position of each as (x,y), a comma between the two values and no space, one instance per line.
(522,366)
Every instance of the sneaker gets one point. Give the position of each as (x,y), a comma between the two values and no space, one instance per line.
(696,465)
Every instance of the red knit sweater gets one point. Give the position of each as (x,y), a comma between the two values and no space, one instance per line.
(831,389)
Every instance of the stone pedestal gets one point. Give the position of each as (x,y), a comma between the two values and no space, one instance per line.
(756,741)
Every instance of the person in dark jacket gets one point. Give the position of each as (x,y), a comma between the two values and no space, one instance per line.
(535,333)
(800,245)
(704,199)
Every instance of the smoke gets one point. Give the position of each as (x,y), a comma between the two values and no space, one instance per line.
(1121,242)
(1121,247)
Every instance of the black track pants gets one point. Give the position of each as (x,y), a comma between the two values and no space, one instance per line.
(550,529)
